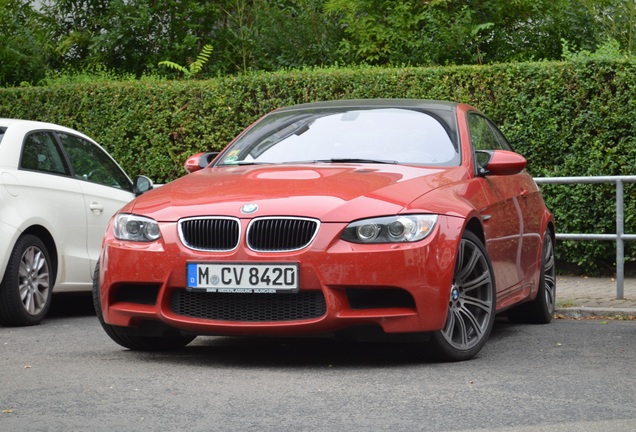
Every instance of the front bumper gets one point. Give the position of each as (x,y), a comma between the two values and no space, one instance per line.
(400,288)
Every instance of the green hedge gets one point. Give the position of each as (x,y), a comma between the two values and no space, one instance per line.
(568,119)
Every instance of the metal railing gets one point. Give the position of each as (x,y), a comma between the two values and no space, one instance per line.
(620,235)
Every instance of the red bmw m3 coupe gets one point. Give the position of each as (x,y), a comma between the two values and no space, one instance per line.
(396,218)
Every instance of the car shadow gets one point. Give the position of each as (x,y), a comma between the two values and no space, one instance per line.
(265,352)
(327,352)
(259,352)
(71,305)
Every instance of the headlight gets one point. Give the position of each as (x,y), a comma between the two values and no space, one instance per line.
(136,228)
(391,229)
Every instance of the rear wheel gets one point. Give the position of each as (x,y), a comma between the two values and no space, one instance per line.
(26,289)
(471,306)
(541,309)
(126,337)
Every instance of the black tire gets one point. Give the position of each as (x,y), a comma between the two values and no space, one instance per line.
(27,287)
(541,309)
(471,306)
(127,338)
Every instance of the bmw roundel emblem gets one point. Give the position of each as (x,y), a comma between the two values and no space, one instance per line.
(249,208)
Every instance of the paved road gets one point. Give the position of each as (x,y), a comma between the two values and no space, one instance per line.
(67,375)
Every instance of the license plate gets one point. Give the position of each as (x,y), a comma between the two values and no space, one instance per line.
(252,278)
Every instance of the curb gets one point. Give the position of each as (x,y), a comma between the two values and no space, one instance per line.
(595,312)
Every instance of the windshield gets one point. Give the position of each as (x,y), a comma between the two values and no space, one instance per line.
(379,135)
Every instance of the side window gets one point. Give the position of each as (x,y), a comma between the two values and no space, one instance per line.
(503,142)
(92,164)
(485,137)
(481,134)
(41,153)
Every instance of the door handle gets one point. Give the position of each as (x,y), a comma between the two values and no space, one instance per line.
(96,208)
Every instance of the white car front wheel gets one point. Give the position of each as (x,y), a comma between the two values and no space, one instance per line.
(26,289)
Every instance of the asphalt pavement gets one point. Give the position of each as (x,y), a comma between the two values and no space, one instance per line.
(580,297)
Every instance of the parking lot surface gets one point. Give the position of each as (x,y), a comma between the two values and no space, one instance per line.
(66,374)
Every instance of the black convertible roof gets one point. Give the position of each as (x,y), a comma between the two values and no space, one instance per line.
(423,104)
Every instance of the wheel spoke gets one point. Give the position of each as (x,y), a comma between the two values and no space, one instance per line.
(24,290)
(23,270)
(474,323)
(550,282)
(39,263)
(468,268)
(549,286)
(29,303)
(485,305)
(462,329)
(450,325)
(456,329)
(549,263)
(38,300)
(477,282)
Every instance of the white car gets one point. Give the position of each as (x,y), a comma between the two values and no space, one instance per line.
(58,190)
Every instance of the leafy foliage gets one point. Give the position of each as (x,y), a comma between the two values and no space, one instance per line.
(23,54)
(194,67)
(128,36)
(616,20)
(293,34)
(133,36)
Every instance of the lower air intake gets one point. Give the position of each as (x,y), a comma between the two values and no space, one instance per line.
(248,307)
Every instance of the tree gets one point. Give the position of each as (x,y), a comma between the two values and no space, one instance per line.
(294,33)
(130,36)
(615,19)
(459,31)
(23,50)
(133,36)
(382,31)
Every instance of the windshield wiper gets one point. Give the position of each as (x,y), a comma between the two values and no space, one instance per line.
(243,163)
(359,160)
(311,161)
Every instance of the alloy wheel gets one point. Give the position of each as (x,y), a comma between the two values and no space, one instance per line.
(34,280)
(549,274)
(471,302)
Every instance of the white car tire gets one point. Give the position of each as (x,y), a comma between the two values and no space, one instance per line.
(27,287)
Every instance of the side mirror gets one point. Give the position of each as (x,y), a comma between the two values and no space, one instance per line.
(141,184)
(500,162)
(199,161)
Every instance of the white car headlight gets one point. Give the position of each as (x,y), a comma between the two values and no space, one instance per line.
(136,228)
(390,229)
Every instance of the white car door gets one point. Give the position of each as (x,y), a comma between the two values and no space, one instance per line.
(101,202)
(105,186)
(50,197)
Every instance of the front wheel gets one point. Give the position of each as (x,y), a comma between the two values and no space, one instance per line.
(127,337)
(27,286)
(471,305)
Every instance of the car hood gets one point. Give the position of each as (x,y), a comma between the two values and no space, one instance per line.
(331,193)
